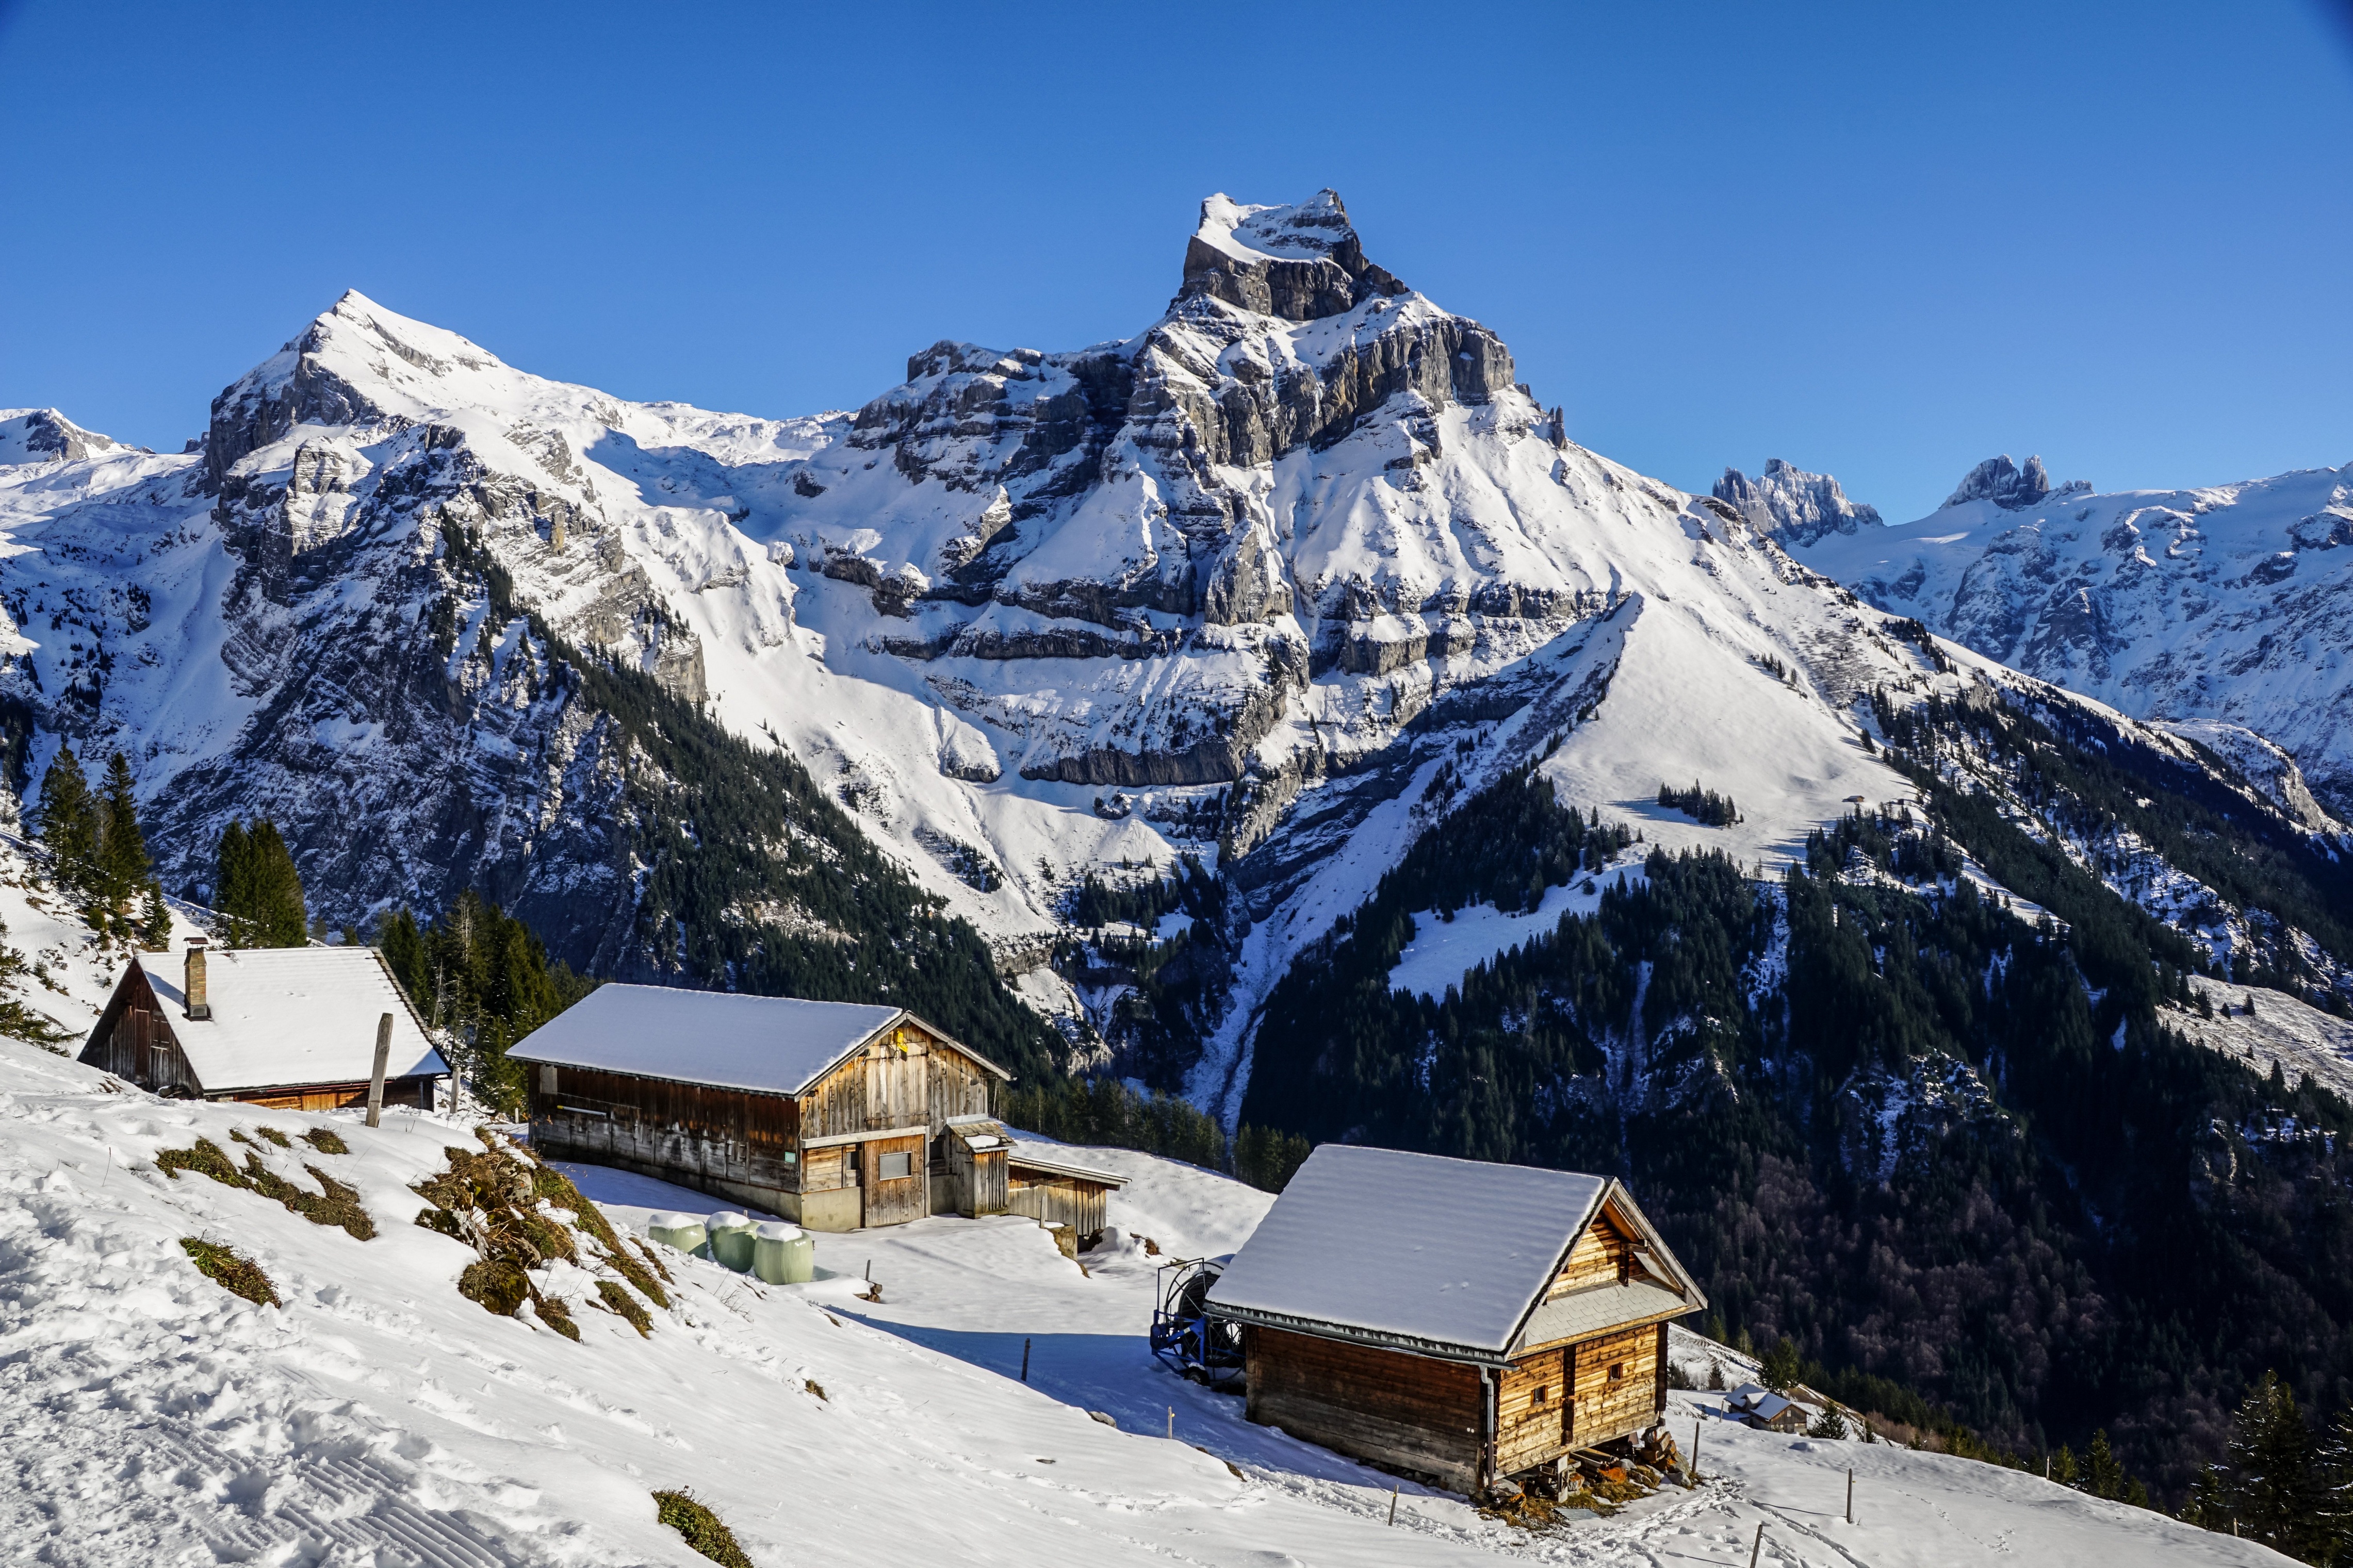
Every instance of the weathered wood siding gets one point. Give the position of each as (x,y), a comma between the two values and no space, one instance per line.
(415,1091)
(1532,1410)
(902,1078)
(959,1087)
(1050,1199)
(973,1179)
(1603,1255)
(1405,1412)
(134,1041)
(886,1199)
(722,1141)
(1615,1378)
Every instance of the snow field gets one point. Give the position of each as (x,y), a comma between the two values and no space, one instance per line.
(379,1416)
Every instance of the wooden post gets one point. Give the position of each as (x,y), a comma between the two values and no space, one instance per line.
(1393,1492)
(1758,1545)
(1172,1423)
(1025,1360)
(1694,1464)
(375,1079)
(1850,1494)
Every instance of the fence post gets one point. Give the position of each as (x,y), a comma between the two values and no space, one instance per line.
(375,1079)
(1850,1494)
(1025,1360)
(1758,1545)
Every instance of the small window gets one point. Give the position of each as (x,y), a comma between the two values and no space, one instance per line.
(548,1078)
(895,1167)
(1543,1391)
(1616,1371)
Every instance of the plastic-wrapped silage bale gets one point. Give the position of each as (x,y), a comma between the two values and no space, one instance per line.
(683,1231)
(730,1239)
(783,1254)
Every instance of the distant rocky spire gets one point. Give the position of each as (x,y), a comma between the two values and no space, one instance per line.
(1792,505)
(2008,486)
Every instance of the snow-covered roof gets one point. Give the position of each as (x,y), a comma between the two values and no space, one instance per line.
(767,1045)
(1051,1160)
(289,1015)
(1445,1254)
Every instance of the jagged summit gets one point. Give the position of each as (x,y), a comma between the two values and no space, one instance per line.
(1301,262)
(45,436)
(2010,487)
(1792,505)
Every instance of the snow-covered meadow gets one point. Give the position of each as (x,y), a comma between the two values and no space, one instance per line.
(379,1417)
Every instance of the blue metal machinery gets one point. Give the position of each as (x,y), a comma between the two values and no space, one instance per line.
(1198,1344)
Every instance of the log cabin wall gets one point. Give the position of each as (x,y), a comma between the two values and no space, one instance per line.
(1532,1410)
(725,1141)
(1403,1412)
(1617,1384)
(1604,1255)
(415,1091)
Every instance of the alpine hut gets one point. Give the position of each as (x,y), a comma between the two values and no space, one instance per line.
(830,1113)
(293,1027)
(1451,1319)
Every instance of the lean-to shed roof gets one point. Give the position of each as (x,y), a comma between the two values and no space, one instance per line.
(1444,1257)
(287,1017)
(767,1044)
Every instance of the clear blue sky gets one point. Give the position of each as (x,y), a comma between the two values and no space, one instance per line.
(1870,238)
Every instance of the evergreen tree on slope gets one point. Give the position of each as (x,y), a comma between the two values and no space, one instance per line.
(69,824)
(257,888)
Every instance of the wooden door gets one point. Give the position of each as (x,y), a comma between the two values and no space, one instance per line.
(891,1174)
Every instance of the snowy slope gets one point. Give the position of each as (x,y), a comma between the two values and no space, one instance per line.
(378,1416)
(2225,605)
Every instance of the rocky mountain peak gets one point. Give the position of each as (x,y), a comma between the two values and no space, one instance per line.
(1792,505)
(2004,483)
(45,436)
(1299,262)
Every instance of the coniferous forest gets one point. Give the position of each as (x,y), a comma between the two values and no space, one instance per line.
(1948,1155)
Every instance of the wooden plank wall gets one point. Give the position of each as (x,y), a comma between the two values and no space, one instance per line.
(415,1091)
(717,1134)
(1531,1407)
(1603,1256)
(959,1087)
(1610,1406)
(1082,1206)
(1407,1411)
(896,1201)
(134,1042)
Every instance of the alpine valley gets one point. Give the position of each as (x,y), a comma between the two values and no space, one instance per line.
(1946,929)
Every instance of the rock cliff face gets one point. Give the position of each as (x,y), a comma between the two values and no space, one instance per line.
(45,436)
(2010,487)
(1792,505)
(1266,584)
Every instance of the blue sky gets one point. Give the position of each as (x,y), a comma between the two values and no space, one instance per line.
(1882,240)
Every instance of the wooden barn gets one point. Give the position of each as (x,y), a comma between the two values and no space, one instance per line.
(288,1027)
(984,1169)
(832,1114)
(1453,1320)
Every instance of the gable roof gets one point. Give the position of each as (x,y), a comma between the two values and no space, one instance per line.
(765,1045)
(284,1016)
(1447,1258)
(1027,1154)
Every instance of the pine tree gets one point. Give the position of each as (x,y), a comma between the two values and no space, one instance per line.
(2102,1476)
(1830,1422)
(2063,1465)
(1779,1368)
(123,863)
(257,888)
(2208,1507)
(68,823)
(2332,1537)
(2276,1498)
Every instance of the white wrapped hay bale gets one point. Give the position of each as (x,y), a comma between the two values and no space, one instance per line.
(730,1239)
(783,1254)
(683,1231)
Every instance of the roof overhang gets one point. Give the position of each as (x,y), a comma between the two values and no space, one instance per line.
(1019,1161)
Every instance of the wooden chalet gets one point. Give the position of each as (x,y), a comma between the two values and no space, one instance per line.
(1453,1320)
(833,1114)
(293,1027)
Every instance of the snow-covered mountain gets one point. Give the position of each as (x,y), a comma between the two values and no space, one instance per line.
(1027,615)
(1795,507)
(2223,610)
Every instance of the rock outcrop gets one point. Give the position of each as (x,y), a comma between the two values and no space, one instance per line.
(1791,505)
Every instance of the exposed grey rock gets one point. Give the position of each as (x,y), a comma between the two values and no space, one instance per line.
(1792,505)
(45,436)
(2008,486)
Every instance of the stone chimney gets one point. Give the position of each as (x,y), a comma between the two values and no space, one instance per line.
(199,1004)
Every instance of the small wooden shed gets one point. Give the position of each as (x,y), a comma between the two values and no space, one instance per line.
(1044,1182)
(293,1027)
(824,1112)
(1451,1319)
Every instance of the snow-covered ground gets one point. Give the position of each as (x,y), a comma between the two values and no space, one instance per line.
(378,1417)
(2299,1037)
(1443,950)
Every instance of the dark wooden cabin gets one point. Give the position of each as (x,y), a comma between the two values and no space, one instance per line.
(1453,1320)
(293,1028)
(830,1113)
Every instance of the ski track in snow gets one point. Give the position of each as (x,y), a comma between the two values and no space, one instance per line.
(378,1417)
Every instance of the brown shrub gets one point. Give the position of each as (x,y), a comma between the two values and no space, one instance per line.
(231,1271)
